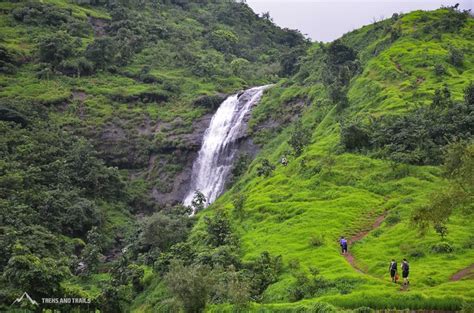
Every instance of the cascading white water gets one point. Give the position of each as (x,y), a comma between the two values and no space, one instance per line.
(215,158)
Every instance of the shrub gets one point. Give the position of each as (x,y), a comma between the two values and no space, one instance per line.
(210,102)
(439,69)
(354,136)
(218,229)
(190,284)
(266,168)
(263,271)
(240,166)
(76,67)
(442,247)
(376,233)
(322,307)
(316,240)
(363,309)
(294,264)
(455,56)
(56,47)
(101,52)
(239,201)
(223,40)
(469,244)
(300,137)
(393,218)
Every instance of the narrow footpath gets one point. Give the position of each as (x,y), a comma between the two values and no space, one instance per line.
(349,257)
(463,273)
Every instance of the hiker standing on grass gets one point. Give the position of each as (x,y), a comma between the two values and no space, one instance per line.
(343,243)
(392,268)
(405,272)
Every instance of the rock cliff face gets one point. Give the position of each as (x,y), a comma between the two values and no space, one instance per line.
(170,169)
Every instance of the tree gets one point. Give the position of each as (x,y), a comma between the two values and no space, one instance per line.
(457,195)
(56,47)
(239,201)
(300,137)
(455,56)
(199,201)
(101,51)
(469,94)
(191,285)
(224,40)
(219,231)
(161,230)
(90,255)
(40,277)
(265,169)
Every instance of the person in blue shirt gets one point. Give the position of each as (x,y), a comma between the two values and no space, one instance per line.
(343,243)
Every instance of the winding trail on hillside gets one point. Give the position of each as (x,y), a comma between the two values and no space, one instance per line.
(462,273)
(359,236)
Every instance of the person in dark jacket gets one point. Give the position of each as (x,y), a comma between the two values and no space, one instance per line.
(392,268)
(343,243)
(405,272)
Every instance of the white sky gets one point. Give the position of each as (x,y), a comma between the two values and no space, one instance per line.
(325,20)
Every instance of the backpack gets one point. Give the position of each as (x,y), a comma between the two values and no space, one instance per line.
(393,266)
(406,267)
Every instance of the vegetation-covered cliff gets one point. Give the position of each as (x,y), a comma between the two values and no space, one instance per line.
(103,107)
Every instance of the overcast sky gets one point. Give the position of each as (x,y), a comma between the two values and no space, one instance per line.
(325,20)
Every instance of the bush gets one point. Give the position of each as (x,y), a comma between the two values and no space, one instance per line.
(393,218)
(223,40)
(239,201)
(439,69)
(316,240)
(354,137)
(322,307)
(76,67)
(266,168)
(56,47)
(101,52)
(190,284)
(455,56)
(442,247)
(218,229)
(300,137)
(210,102)
(364,309)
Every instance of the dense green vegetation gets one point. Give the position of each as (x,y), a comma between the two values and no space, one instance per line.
(92,95)
(97,103)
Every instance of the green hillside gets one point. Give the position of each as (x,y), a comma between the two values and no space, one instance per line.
(343,182)
(102,105)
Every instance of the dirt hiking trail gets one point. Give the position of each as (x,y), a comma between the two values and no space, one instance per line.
(462,273)
(349,257)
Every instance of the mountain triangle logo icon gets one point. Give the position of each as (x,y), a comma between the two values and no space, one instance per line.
(23,296)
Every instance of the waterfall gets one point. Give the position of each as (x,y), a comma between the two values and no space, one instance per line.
(214,161)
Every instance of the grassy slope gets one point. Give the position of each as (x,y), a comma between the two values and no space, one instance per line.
(285,210)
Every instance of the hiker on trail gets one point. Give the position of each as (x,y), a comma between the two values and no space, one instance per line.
(405,272)
(284,161)
(343,243)
(392,268)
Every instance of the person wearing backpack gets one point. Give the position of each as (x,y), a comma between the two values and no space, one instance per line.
(392,268)
(405,272)
(343,243)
